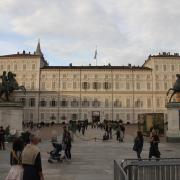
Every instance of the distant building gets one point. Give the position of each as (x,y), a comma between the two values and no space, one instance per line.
(63,93)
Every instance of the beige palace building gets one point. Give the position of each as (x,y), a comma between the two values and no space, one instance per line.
(63,93)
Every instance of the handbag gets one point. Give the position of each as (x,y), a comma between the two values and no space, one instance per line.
(15,173)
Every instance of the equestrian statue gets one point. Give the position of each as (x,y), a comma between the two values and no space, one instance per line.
(9,85)
(176,87)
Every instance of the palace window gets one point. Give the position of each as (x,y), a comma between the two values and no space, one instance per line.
(74,85)
(23,101)
(106,103)
(33,66)
(85,76)
(15,67)
(85,85)
(64,103)
(64,85)
(96,103)
(149,103)
(164,67)
(24,66)
(117,103)
(172,67)
(74,116)
(8,67)
(43,85)
(2,67)
(156,67)
(148,85)
(117,76)
(128,116)
(96,85)
(165,85)
(53,103)
(158,102)
(53,85)
(42,116)
(137,85)
(117,85)
(157,86)
(148,76)
(74,103)
(32,85)
(128,103)
(85,103)
(43,103)
(32,102)
(127,85)
(106,76)
(107,85)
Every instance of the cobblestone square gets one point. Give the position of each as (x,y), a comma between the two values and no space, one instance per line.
(91,160)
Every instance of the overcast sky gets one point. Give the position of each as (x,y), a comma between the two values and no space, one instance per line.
(124,31)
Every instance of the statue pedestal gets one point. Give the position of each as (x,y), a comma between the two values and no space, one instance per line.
(11,114)
(173,132)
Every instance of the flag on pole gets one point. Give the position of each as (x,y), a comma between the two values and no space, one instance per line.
(95,55)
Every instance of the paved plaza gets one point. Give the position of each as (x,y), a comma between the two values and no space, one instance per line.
(91,160)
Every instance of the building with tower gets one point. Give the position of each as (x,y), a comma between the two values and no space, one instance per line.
(63,93)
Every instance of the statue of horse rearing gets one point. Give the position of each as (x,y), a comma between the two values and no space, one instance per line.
(8,85)
(176,87)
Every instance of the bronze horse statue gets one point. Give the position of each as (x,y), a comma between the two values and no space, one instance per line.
(9,84)
(176,87)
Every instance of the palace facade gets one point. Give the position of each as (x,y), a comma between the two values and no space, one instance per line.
(63,93)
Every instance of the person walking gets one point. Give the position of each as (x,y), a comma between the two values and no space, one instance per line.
(68,145)
(154,149)
(2,138)
(16,171)
(31,160)
(138,144)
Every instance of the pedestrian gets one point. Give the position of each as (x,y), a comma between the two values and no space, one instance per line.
(83,128)
(122,127)
(154,149)
(31,160)
(2,138)
(118,133)
(138,144)
(68,145)
(16,171)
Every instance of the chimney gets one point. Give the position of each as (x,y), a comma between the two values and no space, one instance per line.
(24,52)
(129,65)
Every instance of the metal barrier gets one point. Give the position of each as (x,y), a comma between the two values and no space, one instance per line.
(119,173)
(156,169)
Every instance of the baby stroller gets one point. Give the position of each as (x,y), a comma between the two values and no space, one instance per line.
(55,153)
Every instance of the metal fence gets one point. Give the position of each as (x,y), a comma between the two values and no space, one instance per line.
(119,173)
(158,169)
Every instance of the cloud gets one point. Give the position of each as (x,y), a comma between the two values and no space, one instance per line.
(125,31)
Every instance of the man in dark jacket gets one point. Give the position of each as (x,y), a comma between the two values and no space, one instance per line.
(2,138)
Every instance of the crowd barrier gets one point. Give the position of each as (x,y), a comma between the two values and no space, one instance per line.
(154,169)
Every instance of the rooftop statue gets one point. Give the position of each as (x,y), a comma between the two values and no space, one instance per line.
(176,87)
(9,85)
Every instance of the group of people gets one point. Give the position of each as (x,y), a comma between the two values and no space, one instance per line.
(25,160)
(154,141)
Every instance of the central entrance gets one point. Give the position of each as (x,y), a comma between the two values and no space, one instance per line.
(95,116)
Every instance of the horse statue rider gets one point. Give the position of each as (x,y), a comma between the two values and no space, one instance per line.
(176,87)
(9,84)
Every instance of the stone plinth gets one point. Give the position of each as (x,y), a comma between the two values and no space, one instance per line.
(173,132)
(11,114)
